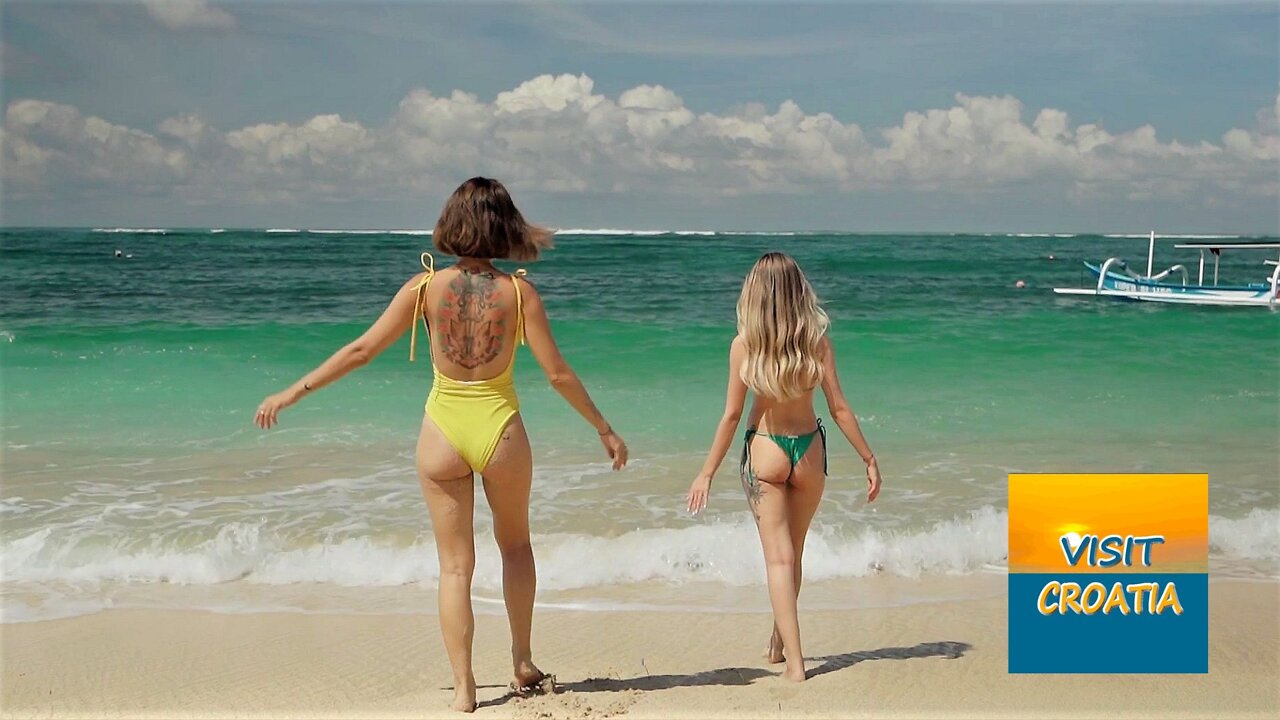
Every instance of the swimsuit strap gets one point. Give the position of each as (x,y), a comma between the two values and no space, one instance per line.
(519,307)
(822,430)
(428,264)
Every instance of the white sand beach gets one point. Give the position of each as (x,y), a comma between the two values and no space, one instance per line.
(926,660)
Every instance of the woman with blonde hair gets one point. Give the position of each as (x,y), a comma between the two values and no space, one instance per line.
(781,355)
(475,315)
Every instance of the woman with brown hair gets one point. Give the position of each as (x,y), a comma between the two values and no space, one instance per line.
(475,315)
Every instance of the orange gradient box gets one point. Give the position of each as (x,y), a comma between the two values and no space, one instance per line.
(1046,508)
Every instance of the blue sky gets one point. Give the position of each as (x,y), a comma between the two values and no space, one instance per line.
(660,115)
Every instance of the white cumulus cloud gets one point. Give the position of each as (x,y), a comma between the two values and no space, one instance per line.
(56,148)
(557,134)
(189,15)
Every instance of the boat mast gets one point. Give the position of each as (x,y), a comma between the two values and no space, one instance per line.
(1151,252)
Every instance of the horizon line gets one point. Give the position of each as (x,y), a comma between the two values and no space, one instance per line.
(1112,233)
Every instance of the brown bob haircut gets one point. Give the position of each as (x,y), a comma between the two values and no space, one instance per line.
(479,220)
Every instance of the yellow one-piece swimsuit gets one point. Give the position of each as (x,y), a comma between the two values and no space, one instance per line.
(471,413)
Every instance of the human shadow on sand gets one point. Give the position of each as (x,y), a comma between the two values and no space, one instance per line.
(949,649)
(724,676)
(740,676)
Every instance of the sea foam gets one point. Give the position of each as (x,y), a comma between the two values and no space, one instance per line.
(135,231)
(1173,236)
(678,233)
(1255,536)
(609,231)
(369,232)
(724,552)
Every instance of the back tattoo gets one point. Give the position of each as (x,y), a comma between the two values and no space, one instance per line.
(469,336)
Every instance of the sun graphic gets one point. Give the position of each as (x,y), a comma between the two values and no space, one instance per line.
(1071,532)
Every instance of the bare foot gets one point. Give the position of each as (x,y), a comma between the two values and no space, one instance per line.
(794,673)
(531,682)
(773,654)
(464,696)
(528,674)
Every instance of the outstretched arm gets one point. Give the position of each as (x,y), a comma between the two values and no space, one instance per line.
(845,419)
(400,314)
(537,331)
(735,399)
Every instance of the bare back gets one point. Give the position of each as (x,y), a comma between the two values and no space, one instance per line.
(785,417)
(472,316)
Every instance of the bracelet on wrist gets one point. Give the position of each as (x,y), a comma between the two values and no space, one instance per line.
(607,431)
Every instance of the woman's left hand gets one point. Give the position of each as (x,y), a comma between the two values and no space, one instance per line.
(270,408)
(873,480)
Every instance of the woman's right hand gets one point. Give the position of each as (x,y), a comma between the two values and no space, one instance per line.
(615,447)
(270,408)
(699,492)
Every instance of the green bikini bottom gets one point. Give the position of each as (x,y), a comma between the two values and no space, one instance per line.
(795,446)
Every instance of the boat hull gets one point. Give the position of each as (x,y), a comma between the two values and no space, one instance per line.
(1125,287)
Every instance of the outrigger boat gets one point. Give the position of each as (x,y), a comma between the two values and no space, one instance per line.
(1116,280)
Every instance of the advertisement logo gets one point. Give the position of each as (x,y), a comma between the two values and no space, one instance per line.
(1109,573)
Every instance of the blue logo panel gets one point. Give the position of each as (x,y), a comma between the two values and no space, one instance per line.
(1087,631)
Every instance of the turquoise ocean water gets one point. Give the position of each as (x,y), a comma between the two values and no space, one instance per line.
(132,472)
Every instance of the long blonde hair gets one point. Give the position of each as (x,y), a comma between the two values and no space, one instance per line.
(782,325)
